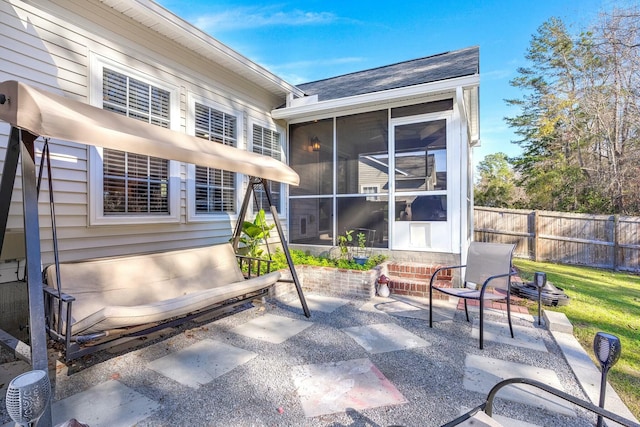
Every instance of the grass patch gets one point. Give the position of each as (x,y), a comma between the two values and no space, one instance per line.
(601,300)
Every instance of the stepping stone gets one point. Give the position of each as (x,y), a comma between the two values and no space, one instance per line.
(9,371)
(323,303)
(106,405)
(272,328)
(482,373)
(329,388)
(482,419)
(384,337)
(414,310)
(525,337)
(201,362)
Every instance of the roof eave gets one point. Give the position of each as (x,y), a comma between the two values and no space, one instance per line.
(333,105)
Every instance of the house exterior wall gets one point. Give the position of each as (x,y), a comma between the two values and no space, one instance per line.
(54,46)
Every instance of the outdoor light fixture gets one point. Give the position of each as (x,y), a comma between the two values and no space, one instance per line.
(314,144)
(540,280)
(27,397)
(607,349)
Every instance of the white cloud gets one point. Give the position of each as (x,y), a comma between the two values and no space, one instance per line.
(496,74)
(255,17)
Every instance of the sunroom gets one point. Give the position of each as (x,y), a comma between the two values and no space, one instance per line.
(387,150)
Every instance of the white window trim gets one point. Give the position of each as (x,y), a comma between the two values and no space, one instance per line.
(192,215)
(284,193)
(96,174)
(371,196)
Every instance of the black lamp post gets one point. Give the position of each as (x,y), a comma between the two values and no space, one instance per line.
(607,349)
(540,280)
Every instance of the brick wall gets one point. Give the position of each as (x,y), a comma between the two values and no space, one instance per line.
(336,282)
(406,278)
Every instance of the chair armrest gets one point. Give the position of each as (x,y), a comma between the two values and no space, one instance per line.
(253,261)
(497,276)
(435,273)
(59,295)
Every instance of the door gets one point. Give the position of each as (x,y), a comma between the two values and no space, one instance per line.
(421,209)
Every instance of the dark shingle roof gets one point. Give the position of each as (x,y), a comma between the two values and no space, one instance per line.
(448,65)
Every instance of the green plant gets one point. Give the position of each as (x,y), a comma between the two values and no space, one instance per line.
(255,233)
(343,243)
(362,240)
(302,258)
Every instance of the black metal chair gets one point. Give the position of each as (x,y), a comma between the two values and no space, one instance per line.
(478,413)
(488,266)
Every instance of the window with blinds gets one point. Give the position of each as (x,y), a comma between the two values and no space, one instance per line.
(267,142)
(132,183)
(215,188)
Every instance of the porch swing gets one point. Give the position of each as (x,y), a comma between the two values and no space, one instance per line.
(32,113)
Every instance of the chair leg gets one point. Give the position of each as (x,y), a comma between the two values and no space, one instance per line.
(466,311)
(481,323)
(509,315)
(430,305)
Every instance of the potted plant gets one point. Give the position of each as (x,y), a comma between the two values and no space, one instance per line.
(362,254)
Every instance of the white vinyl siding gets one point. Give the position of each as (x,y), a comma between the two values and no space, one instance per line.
(215,188)
(62,48)
(267,142)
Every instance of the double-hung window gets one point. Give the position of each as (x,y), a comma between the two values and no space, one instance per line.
(214,189)
(268,142)
(134,188)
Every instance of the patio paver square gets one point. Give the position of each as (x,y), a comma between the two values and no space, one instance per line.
(500,419)
(329,388)
(201,362)
(482,373)
(105,405)
(316,302)
(324,303)
(413,309)
(272,328)
(525,337)
(384,337)
(9,371)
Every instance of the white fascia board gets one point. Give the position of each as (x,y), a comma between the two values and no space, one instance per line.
(167,23)
(472,104)
(408,92)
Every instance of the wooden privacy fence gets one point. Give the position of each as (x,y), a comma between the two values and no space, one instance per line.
(604,241)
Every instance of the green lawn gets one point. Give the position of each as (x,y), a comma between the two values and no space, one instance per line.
(601,300)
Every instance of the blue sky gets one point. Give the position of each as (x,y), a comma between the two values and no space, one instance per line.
(312,40)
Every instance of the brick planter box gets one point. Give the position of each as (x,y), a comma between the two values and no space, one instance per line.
(405,279)
(352,284)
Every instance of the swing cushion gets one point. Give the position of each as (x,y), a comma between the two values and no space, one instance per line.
(114,293)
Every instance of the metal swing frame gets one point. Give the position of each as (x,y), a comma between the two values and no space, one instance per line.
(22,146)
(254,184)
(34,112)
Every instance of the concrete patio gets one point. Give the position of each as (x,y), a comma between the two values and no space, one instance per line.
(353,363)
